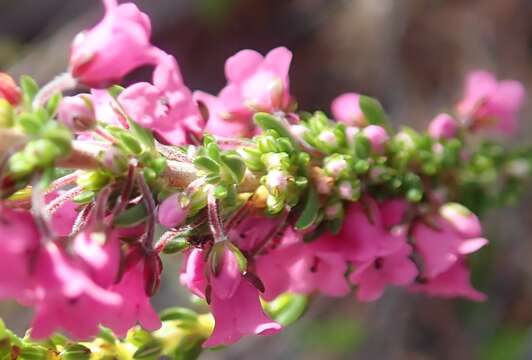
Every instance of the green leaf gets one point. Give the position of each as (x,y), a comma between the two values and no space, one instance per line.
(267,121)
(147,351)
(33,353)
(29,123)
(132,216)
(131,143)
(178,313)
(53,103)
(374,112)
(236,165)
(310,212)
(362,146)
(207,164)
(287,308)
(177,244)
(84,198)
(76,352)
(30,88)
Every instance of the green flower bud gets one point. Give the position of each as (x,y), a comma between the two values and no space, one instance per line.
(42,152)
(93,180)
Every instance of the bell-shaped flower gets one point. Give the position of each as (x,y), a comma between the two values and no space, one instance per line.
(225,271)
(256,82)
(193,272)
(346,109)
(100,252)
(19,243)
(137,308)
(372,277)
(66,298)
(454,282)
(166,106)
(492,104)
(363,236)
(445,239)
(118,44)
(239,316)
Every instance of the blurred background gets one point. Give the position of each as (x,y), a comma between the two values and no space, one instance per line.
(412,55)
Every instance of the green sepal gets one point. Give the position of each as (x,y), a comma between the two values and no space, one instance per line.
(177,244)
(133,216)
(267,121)
(374,112)
(287,308)
(148,351)
(236,166)
(76,352)
(178,313)
(207,164)
(310,211)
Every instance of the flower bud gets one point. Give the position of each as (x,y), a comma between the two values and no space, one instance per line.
(345,189)
(328,138)
(462,219)
(6,114)
(350,133)
(9,89)
(336,166)
(442,127)
(276,181)
(77,113)
(377,136)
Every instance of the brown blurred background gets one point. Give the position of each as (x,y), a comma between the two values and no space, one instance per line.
(412,55)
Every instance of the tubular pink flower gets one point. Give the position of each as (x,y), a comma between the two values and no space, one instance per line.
(66,298)
(443,126)
(19,240)
(346,109)
(137,308)
(441,244)
(490,104)
(119,43)
(454,282)
(372,277)
(239,316)
(166,106)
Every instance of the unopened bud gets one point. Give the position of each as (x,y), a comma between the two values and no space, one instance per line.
(345,189)
(336,166)
(6,114)
(442,127)
(377,136)
(276,181)
(77,113)
(328,138)
(9,89)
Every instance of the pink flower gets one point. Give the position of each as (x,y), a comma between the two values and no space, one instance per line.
(302,268)
(193,272)
(377,136)
(363,236)
(346,109)
(442,243)
(225,274)
(20,239)
(238,316)
(77,113)
(137,307)
(452,283)
(100,253)
(491,104)
(222,123)
(66,298)
(119,43)
(166,106)
(63,218)
(372,277)
(170,213)
(443,126)
(257,83)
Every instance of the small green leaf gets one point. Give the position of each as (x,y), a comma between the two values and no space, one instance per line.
(236,165)
(131,217)
(177,244)
(178,313)
(147,351)
(207,164)
(53,103)
(310,212)
(29,123)
(30,88)
(374,112)
(267,121)
(362,146)
(130,143)
(84,198)
(76,352)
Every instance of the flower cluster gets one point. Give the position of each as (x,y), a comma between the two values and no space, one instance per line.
(266,203)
